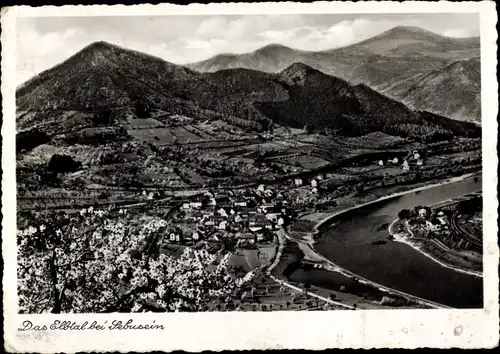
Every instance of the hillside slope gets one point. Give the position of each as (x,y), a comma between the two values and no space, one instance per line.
(391,62)
(453,91)
(104,77)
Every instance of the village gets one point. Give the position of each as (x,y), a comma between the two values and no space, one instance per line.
(442,223)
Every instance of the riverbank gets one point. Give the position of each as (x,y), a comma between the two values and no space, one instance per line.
(319,221)
(433,250)
(324,220)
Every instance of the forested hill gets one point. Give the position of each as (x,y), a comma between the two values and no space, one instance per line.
(103,77)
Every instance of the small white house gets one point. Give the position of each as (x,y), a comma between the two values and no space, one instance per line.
(281,221)
(195,236)
(314,190)
(261,188)
(406,166)
(223,225)
(186,206)
(314,183)
(172,237)
(381,163)
(232,212)
(238,218)
(422,213)
(222,212)
(395,160)
(420,162)
(241,204)
(212,201)
(416,156)
(195,205)
(298,182)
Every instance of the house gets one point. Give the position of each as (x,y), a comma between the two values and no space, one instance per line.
(314,183)
(406,166)
(381,163)
(420,162)
(238,218)
(232,212)
(272,216)
(255,228)
(422,213)
(268,193)
(212,201)
(186,206)
(223,225)
(209,223)
(281,221)
(261,189)
(222,212)
(241,204)
(314,190)
(395,160)
(416,156)
(195,205)
(320,177)
(298,182)
(209,194)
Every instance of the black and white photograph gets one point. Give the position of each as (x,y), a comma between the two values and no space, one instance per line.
(249,163)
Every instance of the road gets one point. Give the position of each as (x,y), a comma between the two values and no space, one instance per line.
(466,235)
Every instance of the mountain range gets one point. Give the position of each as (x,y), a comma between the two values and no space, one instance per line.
(103,77)
(398,63)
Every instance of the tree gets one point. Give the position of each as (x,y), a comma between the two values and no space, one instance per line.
(404,214)
(86,264)
(142,109)
(63,164)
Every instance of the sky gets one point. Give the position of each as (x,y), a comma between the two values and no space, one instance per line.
(44,42)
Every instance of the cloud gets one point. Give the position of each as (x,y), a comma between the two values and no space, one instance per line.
(458,33)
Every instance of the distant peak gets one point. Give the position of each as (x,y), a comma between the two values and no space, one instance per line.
(274,47)
(409,30)
(298,66)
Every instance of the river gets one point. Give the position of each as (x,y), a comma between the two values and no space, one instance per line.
(348,243)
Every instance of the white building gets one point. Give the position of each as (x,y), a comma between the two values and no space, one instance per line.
(422,213)
(241,204)
(406,167)
(261,188)
(222,212)
(395,160)
(195,236)
(314,183)
(186,206)
(223,225)
(420,162)
(298,182)
(381,163)
(314,190)
(281,221)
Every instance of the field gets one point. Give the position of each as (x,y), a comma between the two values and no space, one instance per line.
(160,136)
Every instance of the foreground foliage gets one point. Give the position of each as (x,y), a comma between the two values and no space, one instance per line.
(96,262)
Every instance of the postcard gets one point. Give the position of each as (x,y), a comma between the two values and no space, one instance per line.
(250,176)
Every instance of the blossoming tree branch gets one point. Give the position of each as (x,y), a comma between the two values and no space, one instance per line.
(97,262)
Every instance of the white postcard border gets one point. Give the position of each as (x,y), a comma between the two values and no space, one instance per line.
(272,330)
